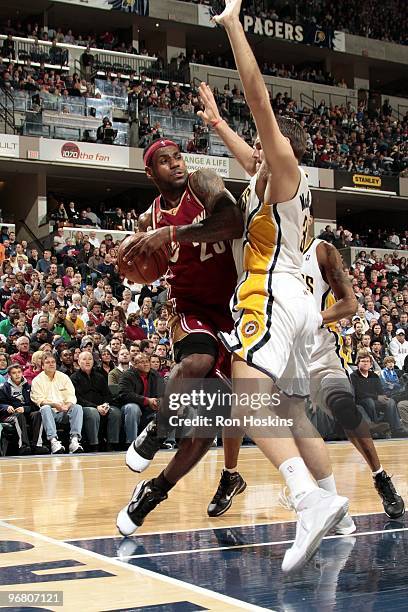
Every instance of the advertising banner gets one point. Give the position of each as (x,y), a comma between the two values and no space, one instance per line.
(196,161)
(101,4)
(9,145)
(84,153)
(307,33)
(366,181)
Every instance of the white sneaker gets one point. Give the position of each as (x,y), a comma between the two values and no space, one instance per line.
(320,512)
(74,445)
(56,447)
(134,461)
(345,527)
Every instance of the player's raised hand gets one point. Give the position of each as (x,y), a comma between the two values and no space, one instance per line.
(230,13)
(210,114)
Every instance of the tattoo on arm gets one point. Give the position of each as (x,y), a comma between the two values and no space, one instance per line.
(208,187)
(335,274)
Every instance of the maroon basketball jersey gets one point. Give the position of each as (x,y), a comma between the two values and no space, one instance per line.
(202,273)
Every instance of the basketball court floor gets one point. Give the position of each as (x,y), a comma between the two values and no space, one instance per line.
(60,550)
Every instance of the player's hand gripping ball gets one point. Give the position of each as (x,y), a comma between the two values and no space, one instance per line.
(141,268)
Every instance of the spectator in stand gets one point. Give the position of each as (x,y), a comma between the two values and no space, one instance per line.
(389,377)
(34,367)
(115,375)
(92,391)
(54,394)
(370,396)
(23,356)
(133,329)
(139,391)
(13,394)
(8,49)
(399,348)
(17,300)
(44,263)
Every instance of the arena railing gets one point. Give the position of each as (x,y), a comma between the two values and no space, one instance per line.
(335,99)
(106,61)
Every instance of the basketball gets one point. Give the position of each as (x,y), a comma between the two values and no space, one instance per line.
(144,269)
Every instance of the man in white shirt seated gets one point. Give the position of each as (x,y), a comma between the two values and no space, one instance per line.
(54,394)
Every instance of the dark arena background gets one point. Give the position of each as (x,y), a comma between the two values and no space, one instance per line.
(86,355)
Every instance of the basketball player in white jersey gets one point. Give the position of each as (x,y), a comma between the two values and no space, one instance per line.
(275,315)
(323,271)
(330,385)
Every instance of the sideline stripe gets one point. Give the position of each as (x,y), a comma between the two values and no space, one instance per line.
(256,545)
(149,533)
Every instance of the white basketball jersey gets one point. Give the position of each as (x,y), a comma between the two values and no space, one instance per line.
(326,338)
(275,234)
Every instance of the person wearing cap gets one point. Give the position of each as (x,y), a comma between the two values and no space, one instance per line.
(399,300)
(76,320)
(8,323)
(61,325)
(399,348)
(16,300)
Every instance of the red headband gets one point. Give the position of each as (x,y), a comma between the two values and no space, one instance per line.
(158,144)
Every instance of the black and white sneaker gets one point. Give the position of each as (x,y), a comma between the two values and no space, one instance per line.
(393,503)
(144,499)
(141,452)
(230,485)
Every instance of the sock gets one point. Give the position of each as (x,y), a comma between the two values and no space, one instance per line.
(162,483)
(230,470)
(328,484)
(380,469)
(298,479)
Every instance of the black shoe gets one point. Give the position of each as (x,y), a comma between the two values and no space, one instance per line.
(144,499)
(230,485)
(24,450)
(399,433)
(393,503)
(40,450)
(143,449)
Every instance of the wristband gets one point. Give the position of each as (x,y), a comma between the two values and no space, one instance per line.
(216,122)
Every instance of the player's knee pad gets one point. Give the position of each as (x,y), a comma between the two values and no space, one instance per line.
(344,409)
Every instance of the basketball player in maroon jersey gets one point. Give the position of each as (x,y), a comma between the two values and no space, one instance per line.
(196,216)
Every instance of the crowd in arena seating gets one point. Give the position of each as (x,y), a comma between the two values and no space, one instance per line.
(312,74)
(84,355)
(383,20)
(343,137)
(110,41)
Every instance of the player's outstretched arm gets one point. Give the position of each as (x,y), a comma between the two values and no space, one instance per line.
(242,152)
(224,220)
(331,265)
(277,149)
